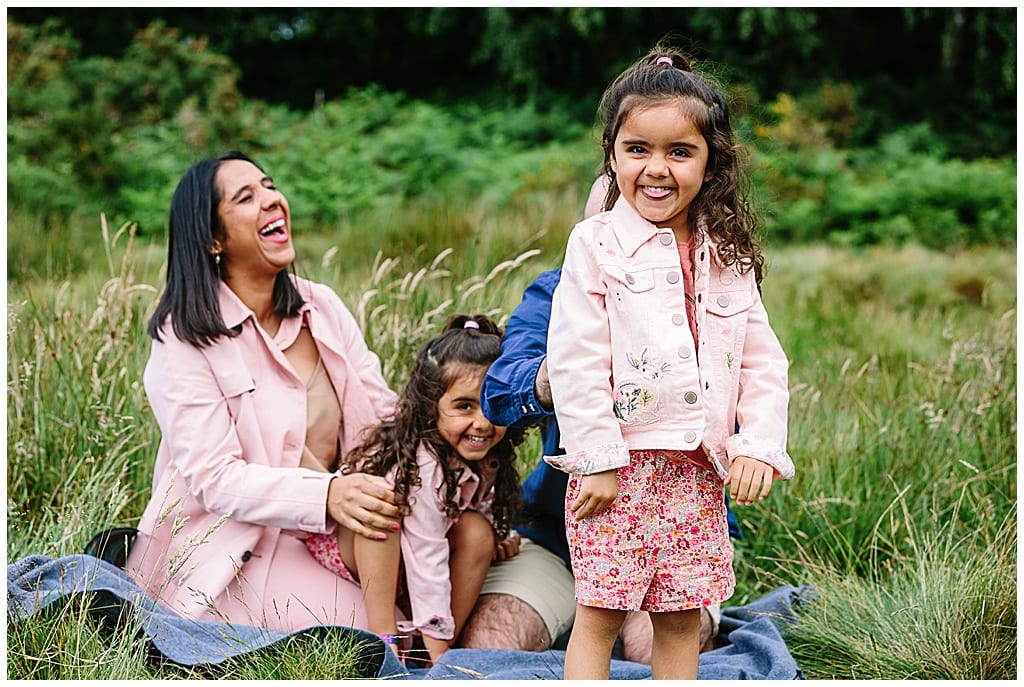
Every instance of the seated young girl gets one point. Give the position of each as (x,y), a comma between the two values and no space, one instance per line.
(456,483)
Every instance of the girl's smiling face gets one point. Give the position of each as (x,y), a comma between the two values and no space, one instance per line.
(255,222)
(461,422)
(660,162)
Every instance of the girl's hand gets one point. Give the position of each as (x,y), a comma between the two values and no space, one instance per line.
(507,548)
(749,480)
(364,504)
(597,491)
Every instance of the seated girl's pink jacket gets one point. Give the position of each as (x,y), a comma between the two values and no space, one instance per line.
(425,545)
(623,370)
(227,479)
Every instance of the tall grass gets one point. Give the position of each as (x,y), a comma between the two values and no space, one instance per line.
(902,514)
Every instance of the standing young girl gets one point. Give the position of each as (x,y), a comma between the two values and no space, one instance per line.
(658,347)
(455,480)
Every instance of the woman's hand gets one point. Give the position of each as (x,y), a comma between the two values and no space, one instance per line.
(597,491)
(507,548)
(749,480)
(364,504)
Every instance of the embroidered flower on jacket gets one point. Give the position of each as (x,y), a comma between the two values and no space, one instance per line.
(630,398)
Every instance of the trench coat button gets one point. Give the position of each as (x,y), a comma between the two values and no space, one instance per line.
(665,239)
(246,556)
(678,319)
(690,437)
(630,279)
(683,352)
(690,397)
(672,277)
(723,301)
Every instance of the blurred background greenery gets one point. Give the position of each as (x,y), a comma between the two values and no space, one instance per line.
(864,125)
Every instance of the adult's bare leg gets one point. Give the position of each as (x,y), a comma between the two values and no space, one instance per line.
(503,621)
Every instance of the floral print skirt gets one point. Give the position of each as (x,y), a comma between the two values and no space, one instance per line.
(662,546)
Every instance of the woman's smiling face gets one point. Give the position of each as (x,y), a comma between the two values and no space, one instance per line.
(255,222)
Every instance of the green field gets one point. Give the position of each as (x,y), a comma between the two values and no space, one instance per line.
(902,513)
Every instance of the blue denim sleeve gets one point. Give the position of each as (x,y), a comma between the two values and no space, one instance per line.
(507,395)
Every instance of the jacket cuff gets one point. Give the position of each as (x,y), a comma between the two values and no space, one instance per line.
(437,627)
(512,405)
(745,445)
(315,520)
(591,460)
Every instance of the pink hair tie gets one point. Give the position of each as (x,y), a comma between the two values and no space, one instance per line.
(471,324)
(664,59)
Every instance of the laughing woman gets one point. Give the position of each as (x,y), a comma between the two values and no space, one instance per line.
(258,380)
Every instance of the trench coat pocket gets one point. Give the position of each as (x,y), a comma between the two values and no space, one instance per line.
(235,385)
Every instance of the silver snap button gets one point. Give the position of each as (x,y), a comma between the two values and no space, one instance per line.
(690,397)
(672,277)
(690,437)
(678,319)
(665,239)
(630,279)
(683,352)
(723,301)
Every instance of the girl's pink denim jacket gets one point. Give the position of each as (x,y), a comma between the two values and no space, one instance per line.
(425,547)
(623,372)
(227,480)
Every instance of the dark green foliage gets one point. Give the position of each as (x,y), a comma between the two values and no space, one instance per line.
(954,66)
(907,186)
(84,134)
(112,132)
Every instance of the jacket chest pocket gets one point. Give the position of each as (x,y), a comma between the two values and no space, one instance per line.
(236,385)
(625,287)
(726,323)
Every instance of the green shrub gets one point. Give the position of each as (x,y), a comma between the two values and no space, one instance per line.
(902,190)
(98,125)
(113,135)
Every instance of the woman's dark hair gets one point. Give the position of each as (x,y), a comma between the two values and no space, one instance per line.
(722,206)
(193,276)
(393,443)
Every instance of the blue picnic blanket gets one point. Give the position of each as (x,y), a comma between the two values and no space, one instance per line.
(749,644)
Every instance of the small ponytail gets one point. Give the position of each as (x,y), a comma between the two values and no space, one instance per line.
(481,323)
(662,54)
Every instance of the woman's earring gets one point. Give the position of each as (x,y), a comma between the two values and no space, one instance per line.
(216,259)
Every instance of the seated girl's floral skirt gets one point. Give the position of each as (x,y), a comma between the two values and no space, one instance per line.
(324,548)
(662,546)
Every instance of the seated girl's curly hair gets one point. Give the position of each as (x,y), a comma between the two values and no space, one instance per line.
(467,342)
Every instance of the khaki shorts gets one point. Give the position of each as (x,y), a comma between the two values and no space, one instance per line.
(540,579)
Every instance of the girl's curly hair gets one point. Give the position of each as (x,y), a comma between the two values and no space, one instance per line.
(722,205)
(458,350)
